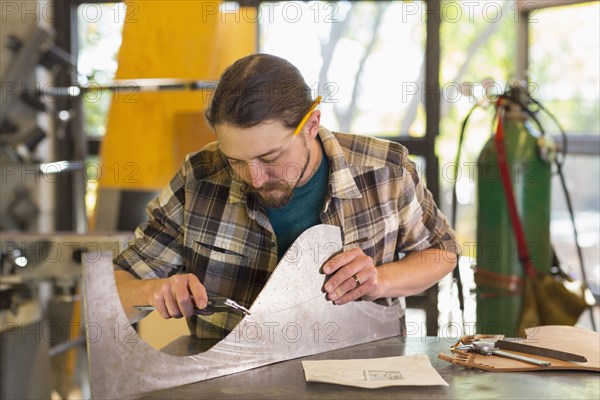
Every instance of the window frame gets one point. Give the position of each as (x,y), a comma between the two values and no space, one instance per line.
(582,144)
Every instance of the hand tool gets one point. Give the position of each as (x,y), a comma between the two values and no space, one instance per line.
(538,351)
(215,304)
(488,348)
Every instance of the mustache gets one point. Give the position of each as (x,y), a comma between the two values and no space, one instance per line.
(281,185)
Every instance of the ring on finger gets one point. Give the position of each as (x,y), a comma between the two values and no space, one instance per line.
(356,280)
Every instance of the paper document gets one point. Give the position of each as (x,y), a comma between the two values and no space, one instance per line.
(415,370)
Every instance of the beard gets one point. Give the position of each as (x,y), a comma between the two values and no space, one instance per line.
(278,194)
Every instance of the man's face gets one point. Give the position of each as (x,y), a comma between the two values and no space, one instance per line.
(267,159)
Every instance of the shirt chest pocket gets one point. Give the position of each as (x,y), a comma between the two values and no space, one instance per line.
(216,264)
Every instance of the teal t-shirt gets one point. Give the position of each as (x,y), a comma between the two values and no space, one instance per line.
(302,211)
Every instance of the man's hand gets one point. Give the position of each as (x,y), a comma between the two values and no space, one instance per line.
(173,297)
(176,296)
(353,276)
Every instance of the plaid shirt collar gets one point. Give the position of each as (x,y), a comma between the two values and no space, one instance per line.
(341,181)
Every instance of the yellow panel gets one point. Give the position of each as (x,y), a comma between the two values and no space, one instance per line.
(159,332)
(167,39)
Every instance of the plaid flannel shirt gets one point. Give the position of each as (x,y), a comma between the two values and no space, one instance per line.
(204,223)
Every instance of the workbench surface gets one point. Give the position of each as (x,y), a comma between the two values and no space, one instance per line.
(285,380)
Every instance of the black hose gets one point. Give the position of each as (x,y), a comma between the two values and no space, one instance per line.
(456,271)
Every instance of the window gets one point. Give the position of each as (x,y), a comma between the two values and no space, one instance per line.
(99,38)
(563,75)
(564,64)
(478,51)
(564,60)
(365,58)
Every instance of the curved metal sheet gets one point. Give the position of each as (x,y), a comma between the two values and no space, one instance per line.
(290,318)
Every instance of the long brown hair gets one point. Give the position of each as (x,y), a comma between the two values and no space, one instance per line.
(258,88)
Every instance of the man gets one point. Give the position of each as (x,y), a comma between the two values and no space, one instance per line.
(234,207)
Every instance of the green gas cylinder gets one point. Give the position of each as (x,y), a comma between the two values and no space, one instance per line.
(498,268)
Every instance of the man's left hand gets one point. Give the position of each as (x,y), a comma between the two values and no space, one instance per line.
(353,276)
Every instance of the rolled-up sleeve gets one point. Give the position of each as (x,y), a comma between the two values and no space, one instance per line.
(423,226)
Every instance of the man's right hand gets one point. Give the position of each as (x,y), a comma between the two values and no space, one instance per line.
(177,296)
(173,297)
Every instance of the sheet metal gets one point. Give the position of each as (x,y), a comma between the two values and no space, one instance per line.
(290,318)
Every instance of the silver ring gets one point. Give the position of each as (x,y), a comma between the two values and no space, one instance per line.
(356,280)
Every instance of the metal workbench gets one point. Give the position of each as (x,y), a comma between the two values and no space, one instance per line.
(285,380)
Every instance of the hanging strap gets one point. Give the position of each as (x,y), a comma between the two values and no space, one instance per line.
(509,195)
